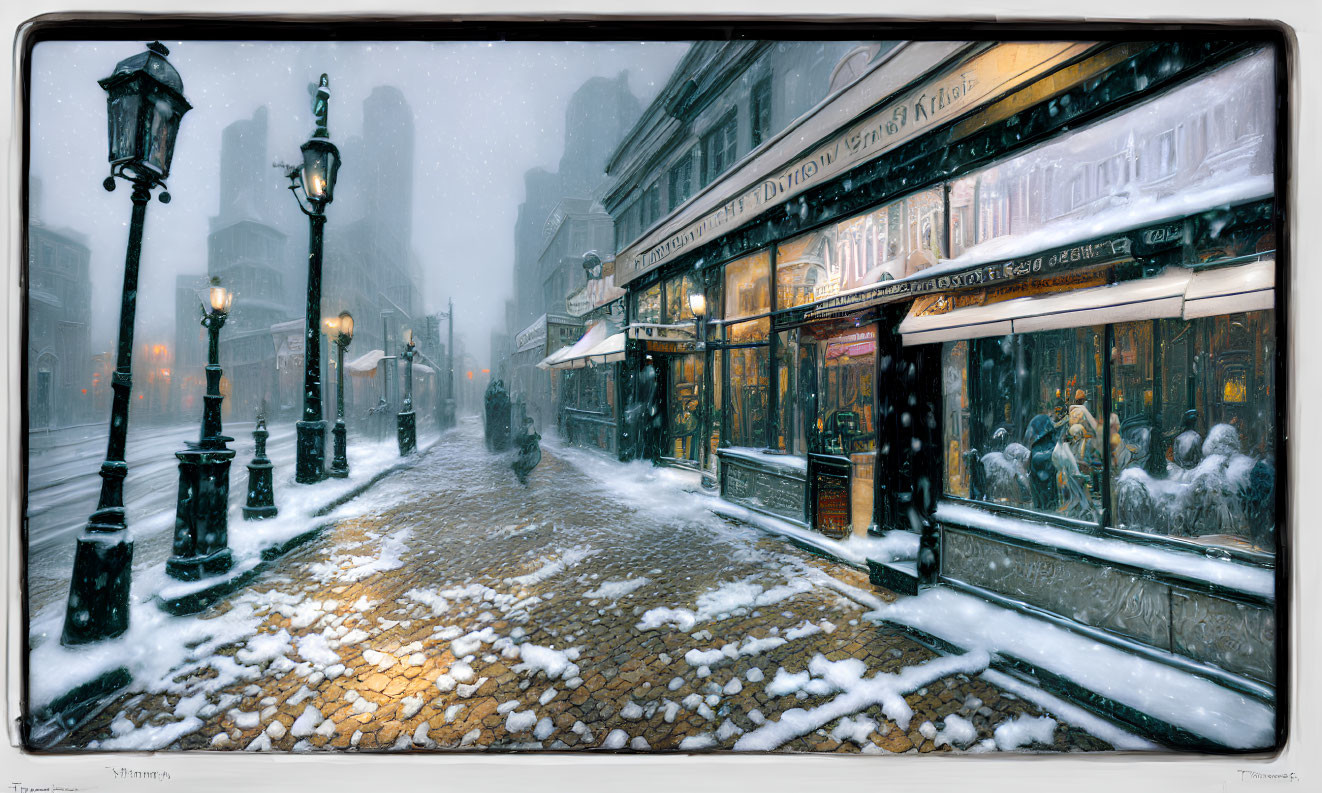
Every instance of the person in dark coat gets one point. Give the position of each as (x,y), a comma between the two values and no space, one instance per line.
(497,403)
(1041,442)
(530,452)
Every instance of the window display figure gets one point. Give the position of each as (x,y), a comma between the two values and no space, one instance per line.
(530,451)
(1041,442)
(1187,451)
(1084,431)
(685,427)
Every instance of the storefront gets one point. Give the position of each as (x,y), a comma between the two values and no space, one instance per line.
(532,384)
(1045,337)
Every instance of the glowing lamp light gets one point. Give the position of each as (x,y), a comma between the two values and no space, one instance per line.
(486,371)
(321,166)
(697,304)
(408,336)
(220,298)
(470,374)
(346,326)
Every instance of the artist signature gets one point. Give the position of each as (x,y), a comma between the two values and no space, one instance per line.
(1246,775)
(19,787)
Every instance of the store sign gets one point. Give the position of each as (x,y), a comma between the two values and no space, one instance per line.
(1062,259)
(942,99)
(932,305)
(532,336)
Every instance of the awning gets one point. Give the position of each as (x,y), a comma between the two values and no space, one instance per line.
(365,364)
(609,351)
(422,368)
(550,360)
(1226,290)
(580,352)
(1178,292)
(1146,298)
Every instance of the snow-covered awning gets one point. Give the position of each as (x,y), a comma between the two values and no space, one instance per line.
(609,351)
(1225,290)
(365,364)
(578,354)
(1178,292)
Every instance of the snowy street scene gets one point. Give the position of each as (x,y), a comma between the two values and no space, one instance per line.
(566,615)
(511,388)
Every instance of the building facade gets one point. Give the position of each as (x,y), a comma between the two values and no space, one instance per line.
(1017,299)
(59,359)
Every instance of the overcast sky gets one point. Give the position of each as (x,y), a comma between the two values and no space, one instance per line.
(485,113)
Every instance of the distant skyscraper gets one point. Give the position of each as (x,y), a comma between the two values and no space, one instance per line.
(60,373)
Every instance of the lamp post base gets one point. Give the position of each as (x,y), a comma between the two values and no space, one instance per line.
(407,424)
(340,463)
(310,465)
(261,495)
(201,523)
(99,590)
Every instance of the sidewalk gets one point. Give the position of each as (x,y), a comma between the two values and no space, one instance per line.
(67,680)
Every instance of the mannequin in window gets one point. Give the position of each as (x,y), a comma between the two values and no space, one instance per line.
(1084,431)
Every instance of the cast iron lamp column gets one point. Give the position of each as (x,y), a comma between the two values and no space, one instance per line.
(321,165)
(145,103)
(201,523)
(407,419)
(261,489)
(343,337)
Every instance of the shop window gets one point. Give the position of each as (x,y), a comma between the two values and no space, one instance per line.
(790,417)
(955,417)
(683,402)
(749,397)
(717,408)
(678,303)
(806,269)
(647,306)
(1104,160)
(1193,435)
(837,367)
(748,286)
(1032,434)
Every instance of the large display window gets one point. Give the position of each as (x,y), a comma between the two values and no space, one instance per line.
(647,306)
(892,241)
(1215,135)
(1193,433)
(1034,427)
(1187,451)
(748,286)
(749,379)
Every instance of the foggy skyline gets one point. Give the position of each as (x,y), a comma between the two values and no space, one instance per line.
(485,112)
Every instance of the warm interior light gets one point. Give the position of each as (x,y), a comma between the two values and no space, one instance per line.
(408,337)
(346,324)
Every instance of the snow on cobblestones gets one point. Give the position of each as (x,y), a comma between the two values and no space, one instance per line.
(614,590)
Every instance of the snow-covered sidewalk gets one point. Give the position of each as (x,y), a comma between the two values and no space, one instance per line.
(155,640)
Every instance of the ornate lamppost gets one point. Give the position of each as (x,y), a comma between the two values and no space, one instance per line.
(407,419)
(343,327)
(145,103)
(201,523)
(321,165)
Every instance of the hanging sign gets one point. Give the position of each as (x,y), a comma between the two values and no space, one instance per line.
(957,90)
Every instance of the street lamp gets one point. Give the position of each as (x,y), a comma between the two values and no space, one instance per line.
(407,419)
(697,304)
(201,524)
(145,103)
(447,407)
(343,327)
(321,165)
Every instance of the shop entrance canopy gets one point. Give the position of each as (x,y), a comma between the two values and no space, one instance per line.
(1178,292)
(598,345)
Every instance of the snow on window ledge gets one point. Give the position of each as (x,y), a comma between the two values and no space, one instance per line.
(787,462)
(1223,573)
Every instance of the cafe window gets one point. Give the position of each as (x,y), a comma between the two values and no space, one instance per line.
(892,241)
(1193,432)
(1031,436)
(748,286)
(679,292)
(789,434)
(647,305)
(749,396)
(1213,134)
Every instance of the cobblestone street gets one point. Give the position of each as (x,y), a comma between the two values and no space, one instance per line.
(461,611)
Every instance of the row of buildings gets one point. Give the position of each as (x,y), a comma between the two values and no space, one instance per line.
(1018,299)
